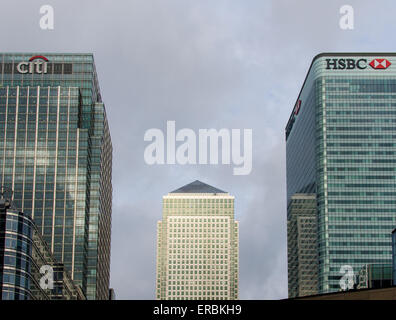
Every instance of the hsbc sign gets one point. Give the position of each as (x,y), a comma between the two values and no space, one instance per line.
(36,64)
(380,64)
(351,64)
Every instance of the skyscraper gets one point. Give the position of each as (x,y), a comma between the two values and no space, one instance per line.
(56,155)
(341,146)
(197,248)
(302,246)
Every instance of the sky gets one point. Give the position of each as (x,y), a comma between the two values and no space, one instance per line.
(203,64)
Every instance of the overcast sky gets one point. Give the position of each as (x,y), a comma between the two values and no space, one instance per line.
(204,64)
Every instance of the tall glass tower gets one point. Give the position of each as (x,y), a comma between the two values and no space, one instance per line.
(197,249)
(56,155)
(341,146)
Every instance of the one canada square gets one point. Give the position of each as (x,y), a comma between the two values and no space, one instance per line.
(197,249)
(341,173)
(56,156)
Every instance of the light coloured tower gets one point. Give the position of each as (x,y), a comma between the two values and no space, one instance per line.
(197,249)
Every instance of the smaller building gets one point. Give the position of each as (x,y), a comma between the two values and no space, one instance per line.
(302,246)
(394,255)
(375,276)
(28,269)
(112,295)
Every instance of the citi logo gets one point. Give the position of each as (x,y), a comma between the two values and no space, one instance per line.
(36,64)
(351,64)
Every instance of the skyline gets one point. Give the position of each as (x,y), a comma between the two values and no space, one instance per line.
(223,64)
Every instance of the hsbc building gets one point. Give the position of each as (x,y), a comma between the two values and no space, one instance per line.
(341,152)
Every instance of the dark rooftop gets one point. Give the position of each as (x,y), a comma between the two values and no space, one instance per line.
(198,187)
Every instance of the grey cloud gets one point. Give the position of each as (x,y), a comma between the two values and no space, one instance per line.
(231,64)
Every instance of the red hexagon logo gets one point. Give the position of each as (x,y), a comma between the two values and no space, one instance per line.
(380,64)
(297,107)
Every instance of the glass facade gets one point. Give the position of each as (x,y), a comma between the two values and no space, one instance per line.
(375,276)
(341,145)
(197,248)
(56,155)
(16,232)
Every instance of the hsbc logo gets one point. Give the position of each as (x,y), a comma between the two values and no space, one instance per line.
(351,64)
(297,107)
(36,64)
(380,64)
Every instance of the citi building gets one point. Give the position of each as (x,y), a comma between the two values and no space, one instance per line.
(56,156)
(341,149)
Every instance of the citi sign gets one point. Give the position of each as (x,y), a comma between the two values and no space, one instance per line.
(350,64)
(36,64)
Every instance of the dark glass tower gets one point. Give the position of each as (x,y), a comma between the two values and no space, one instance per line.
(341,146)
(56,155)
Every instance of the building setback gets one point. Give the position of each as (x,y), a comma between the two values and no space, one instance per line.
(302,246)
(197,248)
(56,155)
(341,146)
